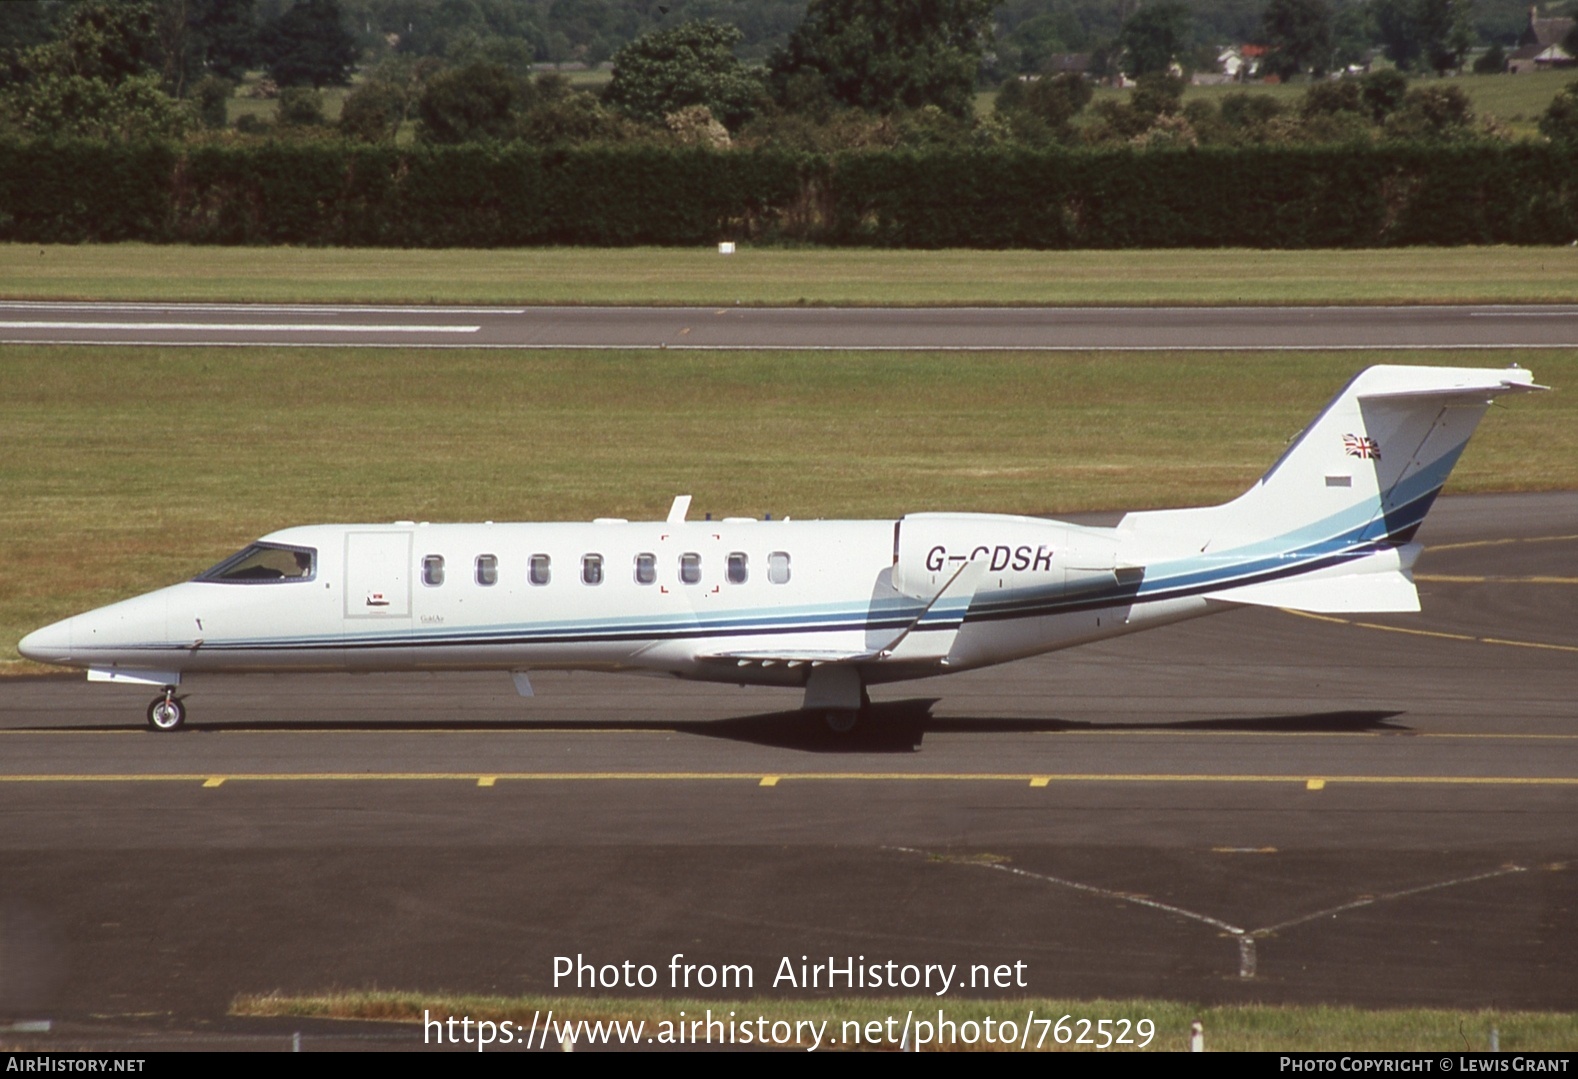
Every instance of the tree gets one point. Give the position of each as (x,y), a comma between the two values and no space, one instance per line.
(108,42)
(1250,111)
(1031,45)
(309,45)
(1432,113)
(1383,92)
(98,79)
(1327,98)
(25,24)
(1353,35)
(1043,109)
(693,64)
(1446,27)
(471,103)
(1560,121)
(299,106)
(372,112)
(212,95)
(1154,105)
(1298,33)
(224,35)
(885,55)
(572,117)
(54,105)
(1153,37)
(1424,33)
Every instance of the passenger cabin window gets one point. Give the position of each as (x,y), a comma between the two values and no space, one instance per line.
(778,567)
(592,569)
(737,568)
(433,569)
(487,570)
(265,563)
(539,570)
(646,568)
(690,567)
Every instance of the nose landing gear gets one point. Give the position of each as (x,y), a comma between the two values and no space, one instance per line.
(167,713)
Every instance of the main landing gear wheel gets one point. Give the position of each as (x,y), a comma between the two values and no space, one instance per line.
(166,713)
(841,720)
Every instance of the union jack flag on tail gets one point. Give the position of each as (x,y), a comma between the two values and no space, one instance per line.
(1361,446)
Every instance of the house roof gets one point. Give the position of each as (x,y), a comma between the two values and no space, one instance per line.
(1545,32)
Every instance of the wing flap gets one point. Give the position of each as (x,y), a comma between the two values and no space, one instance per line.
(789,657)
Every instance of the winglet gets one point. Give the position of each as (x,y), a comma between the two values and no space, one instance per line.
(676,512)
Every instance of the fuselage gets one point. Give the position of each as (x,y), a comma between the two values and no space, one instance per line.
(739,600)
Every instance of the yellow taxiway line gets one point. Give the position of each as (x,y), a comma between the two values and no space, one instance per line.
(1433,632)
(1498,542)
(776,779)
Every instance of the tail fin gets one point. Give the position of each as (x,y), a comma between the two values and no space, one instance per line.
(1360,479)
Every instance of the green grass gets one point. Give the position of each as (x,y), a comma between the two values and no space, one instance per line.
(125,469)
(1517,101)
(788,276)
(1229,1028)
(267,108)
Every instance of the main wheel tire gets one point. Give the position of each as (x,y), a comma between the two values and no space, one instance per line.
(166,714)
(841,720)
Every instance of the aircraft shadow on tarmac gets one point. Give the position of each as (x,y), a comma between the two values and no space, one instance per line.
(887,727)
(901,726)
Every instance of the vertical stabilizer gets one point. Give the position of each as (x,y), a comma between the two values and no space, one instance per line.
(1364,472)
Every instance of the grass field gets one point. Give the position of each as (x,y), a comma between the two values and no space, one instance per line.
(1239,1028)
(1512,99)
(1517,101)
(787,276)
(126,469)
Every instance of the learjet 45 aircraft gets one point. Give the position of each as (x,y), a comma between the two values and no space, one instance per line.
(828,607)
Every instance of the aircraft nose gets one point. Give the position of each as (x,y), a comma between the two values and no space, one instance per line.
(52,644)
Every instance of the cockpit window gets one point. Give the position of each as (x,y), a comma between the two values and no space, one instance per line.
(265,563)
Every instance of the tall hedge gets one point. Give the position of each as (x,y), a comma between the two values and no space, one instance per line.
(492,196)
(72,192)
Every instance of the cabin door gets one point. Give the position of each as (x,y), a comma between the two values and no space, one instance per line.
(377,580)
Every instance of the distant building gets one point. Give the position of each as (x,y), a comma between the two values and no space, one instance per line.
(1540,47)
(1241,62)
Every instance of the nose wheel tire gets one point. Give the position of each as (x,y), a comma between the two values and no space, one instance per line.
(166,714)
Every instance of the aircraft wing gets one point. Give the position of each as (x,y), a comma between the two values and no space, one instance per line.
(956,593)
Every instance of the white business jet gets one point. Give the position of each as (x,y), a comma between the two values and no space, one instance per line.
(828,607)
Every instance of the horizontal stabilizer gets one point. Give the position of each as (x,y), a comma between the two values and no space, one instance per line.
(1473,388)
(1374,593)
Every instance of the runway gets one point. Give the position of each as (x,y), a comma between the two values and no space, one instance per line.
(934,328)
(1259,806)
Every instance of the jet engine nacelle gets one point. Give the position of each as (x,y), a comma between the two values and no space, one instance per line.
(1018,552)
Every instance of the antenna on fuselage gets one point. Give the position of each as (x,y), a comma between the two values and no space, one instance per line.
(676,512)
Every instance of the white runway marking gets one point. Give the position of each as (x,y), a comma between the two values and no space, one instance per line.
(254,308)
(664,347)
(237,327)
(1247,959)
